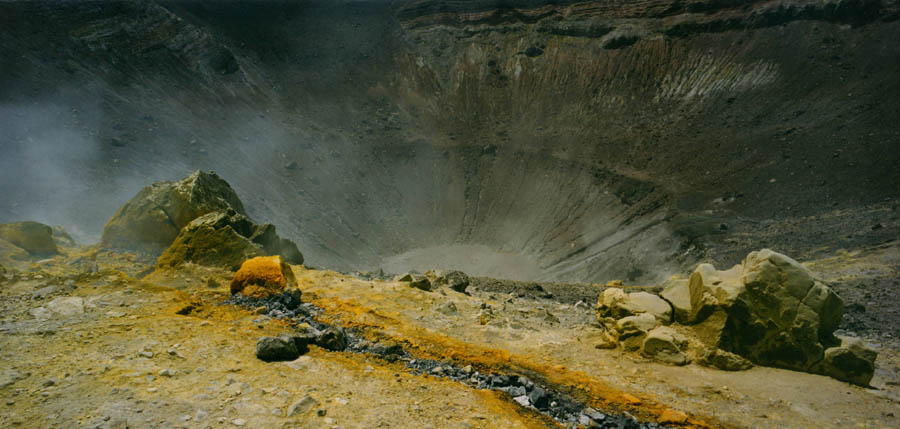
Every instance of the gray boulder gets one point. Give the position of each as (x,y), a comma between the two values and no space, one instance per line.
(280,348)
(456,280)
(332,339)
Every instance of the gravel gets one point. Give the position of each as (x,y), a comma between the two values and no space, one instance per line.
(522,390)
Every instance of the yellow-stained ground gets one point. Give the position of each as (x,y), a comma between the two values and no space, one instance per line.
(106,366)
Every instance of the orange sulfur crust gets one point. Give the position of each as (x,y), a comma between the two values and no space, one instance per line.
(426,344)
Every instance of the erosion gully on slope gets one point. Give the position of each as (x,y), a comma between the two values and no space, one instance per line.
(524,392)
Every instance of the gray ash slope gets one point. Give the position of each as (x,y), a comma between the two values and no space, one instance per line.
(594,140)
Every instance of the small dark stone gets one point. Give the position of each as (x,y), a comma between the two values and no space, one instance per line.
(332,339)
(524,381)
(291,298)
(281,348)
(533,51)
(538,398)
(499,381)
(594,414)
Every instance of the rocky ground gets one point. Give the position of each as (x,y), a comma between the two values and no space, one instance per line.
(90,344)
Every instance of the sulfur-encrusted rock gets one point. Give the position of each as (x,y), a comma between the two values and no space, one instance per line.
(666,345)
(215,239)
(32,237)
(151,220)
(263,276)
(852,362)
(226,239)
(616,303)
(769,310)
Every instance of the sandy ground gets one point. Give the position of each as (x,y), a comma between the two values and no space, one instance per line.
(110,350)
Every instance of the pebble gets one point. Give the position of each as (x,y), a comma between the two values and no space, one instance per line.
(145,353)
(200,415)
(239,422)
(522,400)
(168,372)
(302,406)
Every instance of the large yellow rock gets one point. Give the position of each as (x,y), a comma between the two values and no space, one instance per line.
(263,276)
(216,239)
(151,220)
(33,237)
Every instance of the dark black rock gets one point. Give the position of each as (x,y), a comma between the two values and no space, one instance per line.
(525,382)
(538,398)
(517,391)
(281,348)
(533,51)
(499,381)
(304,338)
(332,339)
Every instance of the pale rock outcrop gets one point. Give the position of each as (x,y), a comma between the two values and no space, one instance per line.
(666,345)
(677,293)
(633,329)
(616,303)
(771,311)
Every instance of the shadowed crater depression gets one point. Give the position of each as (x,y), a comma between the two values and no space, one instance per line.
(540,140)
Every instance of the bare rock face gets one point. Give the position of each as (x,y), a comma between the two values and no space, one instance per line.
(263,276)
(769,310)
(32,237)
(616,303)
(677,293)
(151,220)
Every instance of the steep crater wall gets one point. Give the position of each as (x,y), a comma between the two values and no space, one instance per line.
(562,140)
